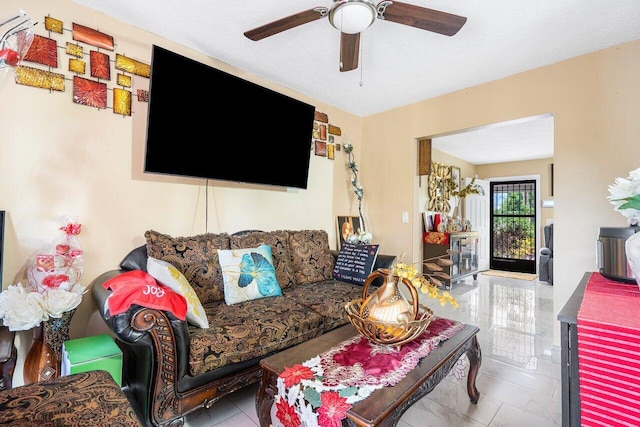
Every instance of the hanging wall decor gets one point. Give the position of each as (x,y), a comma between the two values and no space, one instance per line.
(35,77)
(439,188)
(323,139)
(143,95)
(132,66)
(43,51)
(124,80)
(91,90)
(77,66)
(93,37)
(121,101)
(100,65)
(74,50)
(88,92)
(52,24)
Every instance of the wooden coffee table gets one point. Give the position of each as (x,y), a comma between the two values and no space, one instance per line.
(385,406)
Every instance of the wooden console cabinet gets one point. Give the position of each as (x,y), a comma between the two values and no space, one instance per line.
(464,249)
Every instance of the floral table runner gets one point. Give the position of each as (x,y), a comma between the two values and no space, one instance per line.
(320,391)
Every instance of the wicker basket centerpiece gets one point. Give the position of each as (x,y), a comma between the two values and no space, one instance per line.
(385,316)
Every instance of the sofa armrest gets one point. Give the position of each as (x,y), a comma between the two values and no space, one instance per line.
(132,330)
(155,346)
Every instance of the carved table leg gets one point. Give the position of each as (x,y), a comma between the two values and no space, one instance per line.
(266,397)
(475,359)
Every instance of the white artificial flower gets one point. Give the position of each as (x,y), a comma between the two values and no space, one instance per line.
(627,192)
(365,237)
(59,301)
(20,309)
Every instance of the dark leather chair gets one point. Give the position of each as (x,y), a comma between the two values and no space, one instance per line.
(545,270)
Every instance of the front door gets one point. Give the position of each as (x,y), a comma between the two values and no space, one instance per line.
(513,225)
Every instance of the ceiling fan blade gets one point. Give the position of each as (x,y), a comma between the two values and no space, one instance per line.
(349,48)
(287,23)
(421,17)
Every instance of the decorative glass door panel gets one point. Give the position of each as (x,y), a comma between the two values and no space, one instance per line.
(513,226)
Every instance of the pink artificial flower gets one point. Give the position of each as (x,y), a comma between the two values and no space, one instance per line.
(295,374)
(54,281)
(287,414)
(72,229)
(74,253)
(333,410)
(62,249)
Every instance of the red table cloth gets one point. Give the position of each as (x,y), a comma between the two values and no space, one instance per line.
(609,353)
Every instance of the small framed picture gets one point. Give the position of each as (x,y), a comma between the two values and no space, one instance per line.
(321,148)
(346,225)
(331,151)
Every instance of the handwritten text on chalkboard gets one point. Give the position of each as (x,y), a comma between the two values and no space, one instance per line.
(355,263)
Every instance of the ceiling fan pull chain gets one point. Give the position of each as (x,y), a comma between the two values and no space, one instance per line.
(361,61)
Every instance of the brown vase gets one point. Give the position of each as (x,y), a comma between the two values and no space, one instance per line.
(45,355)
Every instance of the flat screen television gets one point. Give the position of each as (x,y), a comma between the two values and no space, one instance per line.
(205,123)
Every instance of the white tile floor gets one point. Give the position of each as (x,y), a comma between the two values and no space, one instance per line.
(519,379)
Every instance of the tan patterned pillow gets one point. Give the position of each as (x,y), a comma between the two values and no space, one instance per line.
(311,257)
(279,242)
(196,257)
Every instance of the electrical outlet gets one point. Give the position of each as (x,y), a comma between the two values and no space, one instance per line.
(405,217)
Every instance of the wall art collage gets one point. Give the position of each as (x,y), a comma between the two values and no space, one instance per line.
(324,141)
(87,62)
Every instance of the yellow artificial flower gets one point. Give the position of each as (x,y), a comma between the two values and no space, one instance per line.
(424,283)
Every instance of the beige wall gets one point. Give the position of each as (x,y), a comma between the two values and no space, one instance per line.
(594,100)
(60,158)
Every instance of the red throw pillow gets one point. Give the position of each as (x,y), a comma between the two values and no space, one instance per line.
(139,287)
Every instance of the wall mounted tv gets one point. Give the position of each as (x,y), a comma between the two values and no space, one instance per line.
(205,123)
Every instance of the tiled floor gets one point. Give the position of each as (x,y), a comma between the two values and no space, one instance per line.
(519,379)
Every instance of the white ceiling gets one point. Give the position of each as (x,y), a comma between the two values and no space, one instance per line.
(399,65)
(526,139)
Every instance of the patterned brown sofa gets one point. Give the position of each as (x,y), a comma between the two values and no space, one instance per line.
(172,367)
(79,400)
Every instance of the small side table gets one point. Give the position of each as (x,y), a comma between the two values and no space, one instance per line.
(8,355)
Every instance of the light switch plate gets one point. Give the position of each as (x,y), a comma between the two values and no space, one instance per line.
(405,217)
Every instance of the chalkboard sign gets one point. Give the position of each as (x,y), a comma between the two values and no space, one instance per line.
(355,263)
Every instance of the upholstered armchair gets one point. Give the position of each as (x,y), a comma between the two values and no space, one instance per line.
(545,269)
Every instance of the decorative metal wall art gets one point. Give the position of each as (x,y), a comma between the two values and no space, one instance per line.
(91,90)
(35,77)
(93,37)
(100,65)
(439,189)
(132,66)
(43,51)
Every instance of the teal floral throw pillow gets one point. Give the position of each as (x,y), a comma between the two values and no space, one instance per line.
(248,274)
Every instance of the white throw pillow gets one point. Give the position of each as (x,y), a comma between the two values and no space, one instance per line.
(248,274)
(168,275)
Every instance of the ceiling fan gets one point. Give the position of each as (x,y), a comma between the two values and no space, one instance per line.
(351,17)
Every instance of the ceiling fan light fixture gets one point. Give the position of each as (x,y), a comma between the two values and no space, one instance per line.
(352,16)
